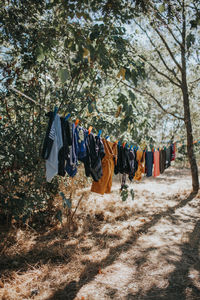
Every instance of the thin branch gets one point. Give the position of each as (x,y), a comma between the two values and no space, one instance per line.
(27,97)
(194,81)
(154,98)
(159,54)
(159,72)
(111,89)
(164,22)
(168,48)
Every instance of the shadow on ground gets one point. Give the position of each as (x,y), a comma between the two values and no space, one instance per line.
(180,284)
(91,268)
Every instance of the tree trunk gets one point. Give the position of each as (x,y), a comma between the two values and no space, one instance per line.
(186,106)
(190,145)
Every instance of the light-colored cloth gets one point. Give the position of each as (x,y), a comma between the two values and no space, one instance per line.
(156,159)
(52,161)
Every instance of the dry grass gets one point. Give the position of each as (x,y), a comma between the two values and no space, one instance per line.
(142,249)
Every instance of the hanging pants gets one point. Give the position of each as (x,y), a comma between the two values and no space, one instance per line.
(108,163)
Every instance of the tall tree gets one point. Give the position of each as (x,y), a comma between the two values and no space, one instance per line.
(171,28)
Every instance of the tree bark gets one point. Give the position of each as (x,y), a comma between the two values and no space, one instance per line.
(186,106)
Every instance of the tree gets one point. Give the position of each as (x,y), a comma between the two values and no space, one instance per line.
(171,28)
(58,53)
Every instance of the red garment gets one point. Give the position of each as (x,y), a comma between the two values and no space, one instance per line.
(156,159)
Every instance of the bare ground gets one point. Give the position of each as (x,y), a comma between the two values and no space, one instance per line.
(144,249)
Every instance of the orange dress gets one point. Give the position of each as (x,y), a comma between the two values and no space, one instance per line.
(156,159)
(108,163)
(140,155)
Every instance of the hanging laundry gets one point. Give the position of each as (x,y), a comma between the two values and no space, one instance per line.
(48,141)
(133,164)
(55,134)
(92,161)
(96,169)
(148,163)
(72,161)
(168,157)
(64,152)
(156,160)
(81,138)
(173,147)
(162,160)
(108,162)
(123,165)
(140,155)
(125,162)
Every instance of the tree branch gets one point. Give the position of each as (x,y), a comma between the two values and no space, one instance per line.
(154,98)
(159,72)
(168,48)
(159,54)
(164,22)
(194,81)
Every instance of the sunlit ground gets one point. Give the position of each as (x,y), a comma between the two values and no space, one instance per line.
(147,248)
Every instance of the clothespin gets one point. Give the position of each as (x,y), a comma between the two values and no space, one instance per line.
(158,149)
(119,143)
(67,117)
(100,131)
(89,130)
(76,123)
(137,148)
(131,147)
(134,147)
(107,137)
(124,144)
(116,142)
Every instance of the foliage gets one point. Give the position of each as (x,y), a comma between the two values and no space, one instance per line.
(58,53)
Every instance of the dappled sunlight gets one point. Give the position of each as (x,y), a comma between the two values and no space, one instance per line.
(138,249)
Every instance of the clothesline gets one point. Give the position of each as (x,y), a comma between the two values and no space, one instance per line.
(46,110)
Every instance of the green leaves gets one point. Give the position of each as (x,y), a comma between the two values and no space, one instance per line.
(161,8)
(124,193)
(40,54)
(63,75)
(190,40)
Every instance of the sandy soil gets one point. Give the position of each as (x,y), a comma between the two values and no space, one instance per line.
(146,248)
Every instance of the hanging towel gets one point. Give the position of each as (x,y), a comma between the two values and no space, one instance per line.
(149,163)
(55,134)
(156,159)
(108,162)
(140,168)
(162,160)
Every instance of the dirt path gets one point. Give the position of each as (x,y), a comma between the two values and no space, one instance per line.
(144,249)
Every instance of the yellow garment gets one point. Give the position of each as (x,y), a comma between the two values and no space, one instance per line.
(140,159)
(108,163)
